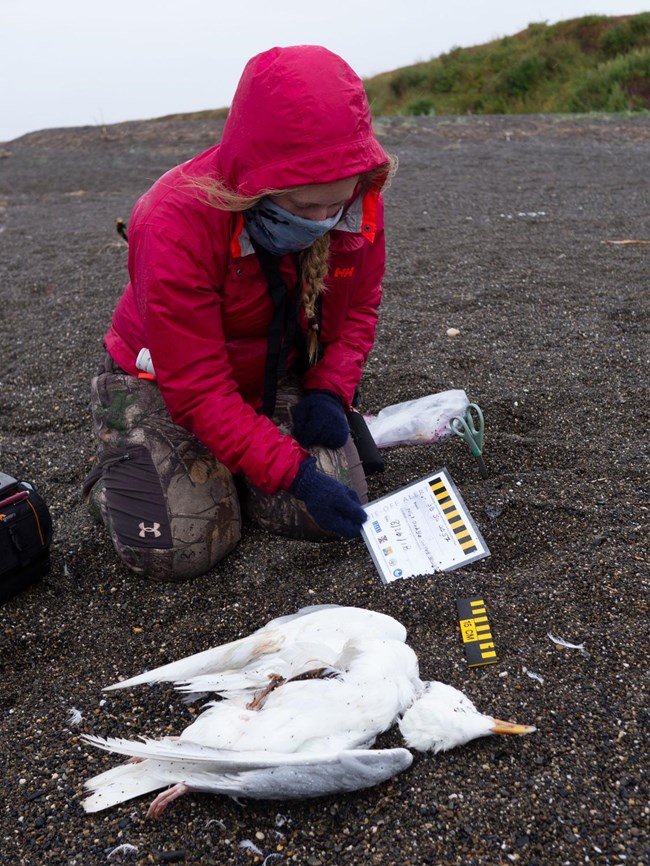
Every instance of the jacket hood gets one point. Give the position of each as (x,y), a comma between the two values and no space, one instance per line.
(300,115)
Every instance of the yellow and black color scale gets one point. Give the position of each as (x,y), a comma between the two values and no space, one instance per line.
(454,518)
(476,632)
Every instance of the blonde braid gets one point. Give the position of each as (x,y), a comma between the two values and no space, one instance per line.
(314,264)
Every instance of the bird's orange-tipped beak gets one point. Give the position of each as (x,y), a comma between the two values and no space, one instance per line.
(500,727)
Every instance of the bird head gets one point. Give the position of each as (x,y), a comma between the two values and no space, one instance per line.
(442,717)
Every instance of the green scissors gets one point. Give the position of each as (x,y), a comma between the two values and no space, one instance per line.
(471,429)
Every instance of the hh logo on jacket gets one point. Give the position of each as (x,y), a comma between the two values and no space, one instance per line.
(344,272)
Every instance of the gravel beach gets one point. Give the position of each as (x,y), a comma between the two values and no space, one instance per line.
(502,228)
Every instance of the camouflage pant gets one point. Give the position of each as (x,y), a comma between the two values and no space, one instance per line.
(171,508)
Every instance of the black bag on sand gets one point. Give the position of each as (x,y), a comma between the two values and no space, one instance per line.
(25,536)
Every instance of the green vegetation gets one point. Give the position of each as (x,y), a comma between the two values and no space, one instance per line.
(596,63)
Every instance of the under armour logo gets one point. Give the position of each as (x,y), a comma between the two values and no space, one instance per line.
(145,529)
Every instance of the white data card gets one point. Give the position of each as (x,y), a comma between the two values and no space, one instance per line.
(422,528)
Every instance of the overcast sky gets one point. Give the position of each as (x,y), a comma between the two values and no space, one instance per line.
(81,62)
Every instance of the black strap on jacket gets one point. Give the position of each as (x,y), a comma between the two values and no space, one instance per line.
(283,334)
(283,328)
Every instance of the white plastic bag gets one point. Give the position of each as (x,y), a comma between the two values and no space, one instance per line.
(417,422)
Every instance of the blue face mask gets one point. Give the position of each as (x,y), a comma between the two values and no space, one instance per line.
(281,232)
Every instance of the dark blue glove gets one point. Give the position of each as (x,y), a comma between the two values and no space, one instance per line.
(334,507)
(319,419)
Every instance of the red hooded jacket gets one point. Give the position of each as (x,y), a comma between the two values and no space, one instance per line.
(197,297)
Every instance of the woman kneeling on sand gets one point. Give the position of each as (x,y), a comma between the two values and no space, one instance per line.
(235,351)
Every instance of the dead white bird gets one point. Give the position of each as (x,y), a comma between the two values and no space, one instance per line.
(301,701)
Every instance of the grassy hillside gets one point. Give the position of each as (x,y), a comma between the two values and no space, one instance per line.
(596,63)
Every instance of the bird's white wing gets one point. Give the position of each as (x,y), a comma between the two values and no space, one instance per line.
(346,771)
(175,749)
(214,760)
(259,775)
(290,662)
(235,655)
(325,626)
(230,656)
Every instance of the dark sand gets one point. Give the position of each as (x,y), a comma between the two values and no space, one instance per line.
(497,228)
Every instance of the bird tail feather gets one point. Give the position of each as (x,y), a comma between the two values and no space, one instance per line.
(119,784)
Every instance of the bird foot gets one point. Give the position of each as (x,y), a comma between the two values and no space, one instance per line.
(275,680)
(160,803)
(257,703)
